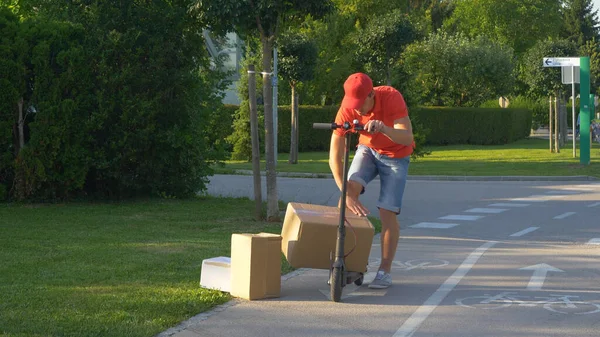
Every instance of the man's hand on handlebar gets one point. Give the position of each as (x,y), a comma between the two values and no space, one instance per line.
(374,126)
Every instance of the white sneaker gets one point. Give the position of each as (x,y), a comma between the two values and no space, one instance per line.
(382,280)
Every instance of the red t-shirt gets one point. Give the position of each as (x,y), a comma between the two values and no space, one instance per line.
(389,106)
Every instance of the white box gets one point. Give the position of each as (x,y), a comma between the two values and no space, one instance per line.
(216,273)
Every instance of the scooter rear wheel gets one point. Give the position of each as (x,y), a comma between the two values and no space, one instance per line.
(336,284)
(359,281)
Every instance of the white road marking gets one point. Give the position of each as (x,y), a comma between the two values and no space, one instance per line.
(486,210)
(594,205)
(413,323)
(564,215)
(539,275)
(525,231)
(532,198)
(563,192)
(461,217)
(437,225)
(595,241)
(508,204)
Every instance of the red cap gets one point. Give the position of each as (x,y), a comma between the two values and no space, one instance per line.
(356,89)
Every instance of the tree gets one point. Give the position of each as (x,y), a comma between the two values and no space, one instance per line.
(543,81)
(592,49)
(264,19)
(580,21)
(515,23)
(125,98)
(381,43)
(297,61)
(458,71)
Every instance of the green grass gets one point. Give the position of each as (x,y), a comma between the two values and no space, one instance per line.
(527,157)
(123,269)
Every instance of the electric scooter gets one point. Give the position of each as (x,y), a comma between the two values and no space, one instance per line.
(339,277)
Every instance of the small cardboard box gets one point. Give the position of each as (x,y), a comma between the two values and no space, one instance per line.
(310,233)
(216,273)
(255,265)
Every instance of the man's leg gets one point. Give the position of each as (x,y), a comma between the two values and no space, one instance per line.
(362,170)
(392,173)
(390,231)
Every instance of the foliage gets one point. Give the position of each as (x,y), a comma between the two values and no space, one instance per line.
(297,58)
(382,41)
(518,24)
(10,89)
(580,21)
(126,99)
(457,71)
(538,107)
(544,81)
(240,138)
(592,49)
(483,126)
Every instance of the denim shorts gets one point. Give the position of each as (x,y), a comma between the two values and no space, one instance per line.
(368,163)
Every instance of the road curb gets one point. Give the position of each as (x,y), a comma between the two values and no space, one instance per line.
(438,177)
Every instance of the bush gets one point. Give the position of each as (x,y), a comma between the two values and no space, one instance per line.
(482,126)
(537,107)
(309,139)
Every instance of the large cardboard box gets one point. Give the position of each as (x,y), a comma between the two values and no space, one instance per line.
(310,233)
(255,265)
(216,273)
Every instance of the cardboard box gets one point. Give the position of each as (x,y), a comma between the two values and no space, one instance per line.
(255,265)
(216,273)
(310,233)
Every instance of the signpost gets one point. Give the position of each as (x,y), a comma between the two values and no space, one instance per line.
(570,75)
(584,104)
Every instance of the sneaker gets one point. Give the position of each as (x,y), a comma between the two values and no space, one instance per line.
(382,280)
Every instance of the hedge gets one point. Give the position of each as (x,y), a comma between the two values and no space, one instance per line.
(443,126)
(482,126)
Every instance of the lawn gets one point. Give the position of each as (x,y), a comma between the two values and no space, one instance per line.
(114,269)
(527,157)
(122,269)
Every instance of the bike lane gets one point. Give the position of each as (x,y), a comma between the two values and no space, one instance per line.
(523,289)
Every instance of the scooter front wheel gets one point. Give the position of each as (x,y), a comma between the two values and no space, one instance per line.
(336,284)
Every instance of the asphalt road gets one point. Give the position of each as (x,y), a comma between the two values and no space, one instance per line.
(474,259)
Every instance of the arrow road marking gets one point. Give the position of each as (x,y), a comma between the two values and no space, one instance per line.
(539,275)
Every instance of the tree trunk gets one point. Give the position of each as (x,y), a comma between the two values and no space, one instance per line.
(21,126)
(564,132)
(556,143)
(550,125)
(255,144)
(272,199)
(294,128)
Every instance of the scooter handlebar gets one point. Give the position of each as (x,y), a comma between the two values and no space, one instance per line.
(356,126)
(325,126)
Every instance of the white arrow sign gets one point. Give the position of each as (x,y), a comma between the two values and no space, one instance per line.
(539,275)
(561,62)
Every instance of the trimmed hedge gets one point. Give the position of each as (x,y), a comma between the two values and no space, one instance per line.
(438,125)
(482,126)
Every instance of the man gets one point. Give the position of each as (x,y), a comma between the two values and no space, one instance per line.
(384,149)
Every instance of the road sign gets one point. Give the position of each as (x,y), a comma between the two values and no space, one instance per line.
(567,74)
(561,62)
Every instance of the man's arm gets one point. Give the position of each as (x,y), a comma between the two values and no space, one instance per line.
(401,133)
(336,158)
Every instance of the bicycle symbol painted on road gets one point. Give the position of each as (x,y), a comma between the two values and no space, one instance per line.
(414,264)
(562,304)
